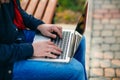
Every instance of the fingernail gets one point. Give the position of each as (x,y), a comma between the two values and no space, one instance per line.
(61,51)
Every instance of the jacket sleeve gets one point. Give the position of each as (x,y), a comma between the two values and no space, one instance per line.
(29,20)
(15,52)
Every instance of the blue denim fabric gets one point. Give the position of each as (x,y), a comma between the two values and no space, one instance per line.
(80,54)
(38,70)
(29,35)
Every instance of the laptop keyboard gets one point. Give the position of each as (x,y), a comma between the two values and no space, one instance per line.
(62,43)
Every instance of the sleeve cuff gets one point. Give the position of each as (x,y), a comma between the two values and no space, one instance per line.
(27,50)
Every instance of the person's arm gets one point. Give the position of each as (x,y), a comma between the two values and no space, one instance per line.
(29,20)
(9,53)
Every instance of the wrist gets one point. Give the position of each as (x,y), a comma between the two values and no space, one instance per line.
(40,27)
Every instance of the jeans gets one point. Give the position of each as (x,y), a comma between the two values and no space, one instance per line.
(39,70)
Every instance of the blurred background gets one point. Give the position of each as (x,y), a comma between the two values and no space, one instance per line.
(68,11)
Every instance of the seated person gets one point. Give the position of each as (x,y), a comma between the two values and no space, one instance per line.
(15,49)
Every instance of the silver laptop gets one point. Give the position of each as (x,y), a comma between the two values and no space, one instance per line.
(69,42)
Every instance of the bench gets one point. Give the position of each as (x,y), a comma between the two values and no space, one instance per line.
(40,9)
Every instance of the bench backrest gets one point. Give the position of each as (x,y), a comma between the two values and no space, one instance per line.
(40,9)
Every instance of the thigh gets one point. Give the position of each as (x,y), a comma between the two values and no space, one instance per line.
(37,70)
(81,51)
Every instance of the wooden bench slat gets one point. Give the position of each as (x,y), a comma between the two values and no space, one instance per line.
(40,9)
(49,13)
(24,4)
(31,7)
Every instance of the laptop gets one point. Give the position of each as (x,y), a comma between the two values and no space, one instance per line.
(69,42)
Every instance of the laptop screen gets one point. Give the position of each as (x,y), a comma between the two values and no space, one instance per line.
(81,25)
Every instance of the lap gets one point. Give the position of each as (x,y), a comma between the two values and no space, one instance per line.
(28,69)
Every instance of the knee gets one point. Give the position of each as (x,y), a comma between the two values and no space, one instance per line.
(83,38)
(77,71)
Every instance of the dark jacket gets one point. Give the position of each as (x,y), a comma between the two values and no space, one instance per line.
(10,51)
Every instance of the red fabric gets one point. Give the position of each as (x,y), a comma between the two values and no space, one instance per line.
(18,20)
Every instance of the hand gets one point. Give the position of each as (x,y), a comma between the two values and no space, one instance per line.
(45,48)
(47,29)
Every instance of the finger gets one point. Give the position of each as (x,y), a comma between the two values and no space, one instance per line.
(55,49)
(50,55)
(51,35)
(56,52)
(60,28)
(50,43)
(58,31)
(53,45)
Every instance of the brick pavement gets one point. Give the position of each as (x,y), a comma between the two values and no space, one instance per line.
(104,55)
